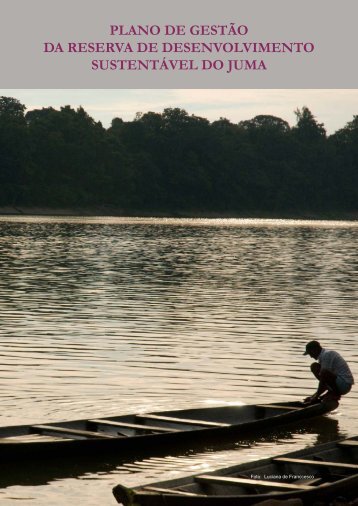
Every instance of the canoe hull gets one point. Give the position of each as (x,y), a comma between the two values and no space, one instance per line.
(349,487)
(187,491)
(10,449)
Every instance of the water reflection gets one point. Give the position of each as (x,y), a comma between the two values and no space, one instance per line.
(147,465)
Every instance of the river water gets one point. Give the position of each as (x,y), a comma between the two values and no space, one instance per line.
(103,316)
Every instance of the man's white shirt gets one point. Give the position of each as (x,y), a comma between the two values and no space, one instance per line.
(332,361)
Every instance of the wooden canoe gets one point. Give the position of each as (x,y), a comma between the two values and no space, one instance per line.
(141,432)
(317,473)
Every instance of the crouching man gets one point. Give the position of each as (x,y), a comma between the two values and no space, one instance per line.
(332,372)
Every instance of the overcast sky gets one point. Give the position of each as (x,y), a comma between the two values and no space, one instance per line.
(334,108)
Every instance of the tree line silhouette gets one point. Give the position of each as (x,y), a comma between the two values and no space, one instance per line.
(176,163)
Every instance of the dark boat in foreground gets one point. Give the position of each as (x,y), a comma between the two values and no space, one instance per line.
(144,431)
(321,472)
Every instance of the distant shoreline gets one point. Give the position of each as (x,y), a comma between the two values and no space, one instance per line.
(112,211)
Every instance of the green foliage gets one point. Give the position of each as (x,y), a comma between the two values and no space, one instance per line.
(174,162)
(307,128)
(14,160)
(344,148)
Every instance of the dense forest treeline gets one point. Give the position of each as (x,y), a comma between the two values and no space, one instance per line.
(176,163)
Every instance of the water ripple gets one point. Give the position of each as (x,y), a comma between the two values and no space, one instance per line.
(108,315)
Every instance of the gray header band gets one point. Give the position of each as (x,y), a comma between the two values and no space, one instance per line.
(288,44)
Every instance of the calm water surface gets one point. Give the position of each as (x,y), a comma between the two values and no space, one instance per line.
(104,316)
